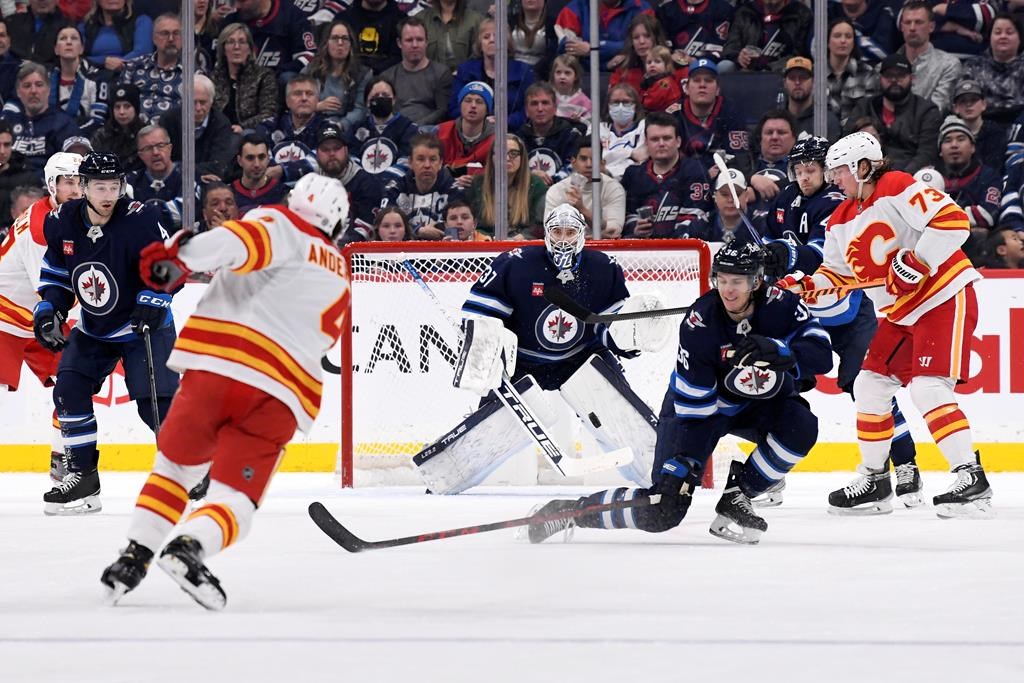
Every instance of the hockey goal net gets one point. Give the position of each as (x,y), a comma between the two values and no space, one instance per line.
(398,350)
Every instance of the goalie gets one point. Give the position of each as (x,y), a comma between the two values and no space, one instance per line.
(510,328)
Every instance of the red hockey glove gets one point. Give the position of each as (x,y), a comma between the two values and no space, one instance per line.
(159,265)
(905,273)
(796,282)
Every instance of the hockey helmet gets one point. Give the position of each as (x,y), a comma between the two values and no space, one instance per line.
(806,150)
(320,200)
(61,163)
(564,251)
(102,166)
(850,150)
(931,178)
(738,259)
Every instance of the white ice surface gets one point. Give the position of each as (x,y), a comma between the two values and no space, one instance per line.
(903,597)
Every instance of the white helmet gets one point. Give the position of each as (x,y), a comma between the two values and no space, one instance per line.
(61,163)
(849,151)
(564,251)
(320,200)
(931,178)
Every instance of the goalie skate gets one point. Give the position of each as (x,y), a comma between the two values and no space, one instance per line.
(126,572)
(772,497)
(79,493)
(969,497)
(182,561)
(868,494)
(908,485)
(736,520)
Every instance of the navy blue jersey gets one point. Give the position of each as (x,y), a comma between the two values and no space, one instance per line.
(704,385)
(274,192)
(711,229)
(723,129)
(681,195)
(801,221)
(98,266)
(551,153)
(978,190)
(422,208)
(875,31)
(379,149)
(1011,208)
(698,30)
(512,289)
(284,38)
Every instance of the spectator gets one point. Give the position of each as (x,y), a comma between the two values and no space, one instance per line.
(578,191)
(76,144)
(533,35)
(281,29)
(207,15)
(245,91)
(76,87)
(525,195)
(622,131)
(257,185)
(907,122)
(614,18)
(119,131)
(850,79)
(989,137)
(451,32)
(1011,210)
(218,205)
(798,84)
(935,71)
(549,139)
(376,23)
(364,189)
(158,75)
(775,135)
(659,90)
(381,140)
(874,23)
(392,225)
(294,135)
(976,188)
(460,224)
(33,33)
(343,79)
(1004,248)
(963,25)
(1001,71)
(424,191)
(466,141)
(13,172)
(22,197)
(725,223)
(764,35)
(629,65)
(216,143)
(707,121)
(9,63)
(115,34)
(422,87)
(160,178)
(38,129)
(481,68)
(566,77)
(696,28)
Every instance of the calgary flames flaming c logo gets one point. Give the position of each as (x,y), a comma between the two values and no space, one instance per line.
(869,253)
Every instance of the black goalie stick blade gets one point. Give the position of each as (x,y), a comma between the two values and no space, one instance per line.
(561,298)
(334,530)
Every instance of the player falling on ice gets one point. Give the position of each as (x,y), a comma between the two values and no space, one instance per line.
(506,310)
(895,228)
(742,348)
(251,356)
(20,257)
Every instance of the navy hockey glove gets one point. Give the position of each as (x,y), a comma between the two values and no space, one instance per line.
(779,258)
(764,352)
(48,325)
(679,478)
(150,311)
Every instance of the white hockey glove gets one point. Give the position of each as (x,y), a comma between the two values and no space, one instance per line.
(647,334)
(488,349)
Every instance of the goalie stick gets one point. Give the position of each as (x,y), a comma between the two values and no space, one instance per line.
(337,532)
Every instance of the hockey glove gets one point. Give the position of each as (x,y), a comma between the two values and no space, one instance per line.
(679,478)
(764,352)
(150,311)
(779,258)
(797,282)
(48,324)
(159,264)
(905,273)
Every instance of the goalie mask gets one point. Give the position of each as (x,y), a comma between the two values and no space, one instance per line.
(564,235)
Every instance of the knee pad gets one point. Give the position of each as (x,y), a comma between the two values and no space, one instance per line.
(873,392)
(930,392)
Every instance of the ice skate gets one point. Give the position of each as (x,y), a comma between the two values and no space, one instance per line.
(969,497)
(182,559)
(126,572)
(908,485)
(541,531)
(198,491)
(58,468)
(868,494)
(772,497)
(736,520)
(78,493)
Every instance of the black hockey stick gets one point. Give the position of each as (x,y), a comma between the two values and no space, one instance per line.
(352,543)
(561,298)
(152,378)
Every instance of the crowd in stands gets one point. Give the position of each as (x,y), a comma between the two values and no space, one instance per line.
(396,99)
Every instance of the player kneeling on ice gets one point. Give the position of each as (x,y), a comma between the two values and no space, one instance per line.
(742,349)
(510,329)
(251,357)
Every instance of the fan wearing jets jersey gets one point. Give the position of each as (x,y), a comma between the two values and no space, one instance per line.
(511,329)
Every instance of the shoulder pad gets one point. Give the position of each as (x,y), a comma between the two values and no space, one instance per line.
(894,183)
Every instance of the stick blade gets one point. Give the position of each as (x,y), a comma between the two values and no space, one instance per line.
(334,529)
(559,297)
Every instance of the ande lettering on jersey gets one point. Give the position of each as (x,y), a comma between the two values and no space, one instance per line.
(325,258)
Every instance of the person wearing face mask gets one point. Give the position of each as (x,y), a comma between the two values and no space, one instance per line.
(907,123)
(622,135)
(381,142)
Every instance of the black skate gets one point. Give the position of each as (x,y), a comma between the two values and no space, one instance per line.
(908,485)
(182,559)
(970,496)
(541,531)
(868,494)
(58,468)
(127,571)
(771,498)
(79,493)
(736,520)
(198,491)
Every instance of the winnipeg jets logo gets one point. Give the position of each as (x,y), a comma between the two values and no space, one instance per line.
(753,382)
(695,320)
(556,330)
(378,157)
(545,160)
(95,287)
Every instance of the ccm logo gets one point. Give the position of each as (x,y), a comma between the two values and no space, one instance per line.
(155,301)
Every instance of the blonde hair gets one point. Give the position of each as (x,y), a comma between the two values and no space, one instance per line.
(662,54)
(567,62)
(518,189)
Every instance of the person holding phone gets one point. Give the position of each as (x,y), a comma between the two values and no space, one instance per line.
(460,224)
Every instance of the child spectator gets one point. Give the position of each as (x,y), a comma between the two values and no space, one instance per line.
(392,225)
(659,90)
(566,74)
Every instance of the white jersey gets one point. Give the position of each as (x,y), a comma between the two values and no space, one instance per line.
(902,213)
(21,255)
(272,310)
(617,150)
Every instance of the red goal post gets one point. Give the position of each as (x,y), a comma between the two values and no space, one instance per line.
(398,351)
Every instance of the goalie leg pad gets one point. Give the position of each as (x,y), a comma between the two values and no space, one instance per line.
(466,455)
(614,415)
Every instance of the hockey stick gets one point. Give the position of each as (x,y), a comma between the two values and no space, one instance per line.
(840,290)
(152,378)
(352,543)
(722,168)
(561,298)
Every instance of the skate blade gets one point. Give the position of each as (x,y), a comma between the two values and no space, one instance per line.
(722,527)
(112,594)
(773,500)
(911,500)
(88,505)
(881,507)
(204,593)
(976,509)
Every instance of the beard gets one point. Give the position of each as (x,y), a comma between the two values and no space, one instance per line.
(896,93)
(334,168)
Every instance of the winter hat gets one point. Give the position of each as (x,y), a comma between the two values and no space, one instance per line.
(125,92)
(479,88)
(954,124)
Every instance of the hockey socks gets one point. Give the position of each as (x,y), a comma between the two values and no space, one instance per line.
(162,501)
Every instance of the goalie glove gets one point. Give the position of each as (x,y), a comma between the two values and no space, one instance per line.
(763,352)
(160,266)
(647,334)
(905,273)
(779,258)
(488,350)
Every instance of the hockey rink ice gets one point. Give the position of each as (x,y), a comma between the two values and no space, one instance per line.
(901,597)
